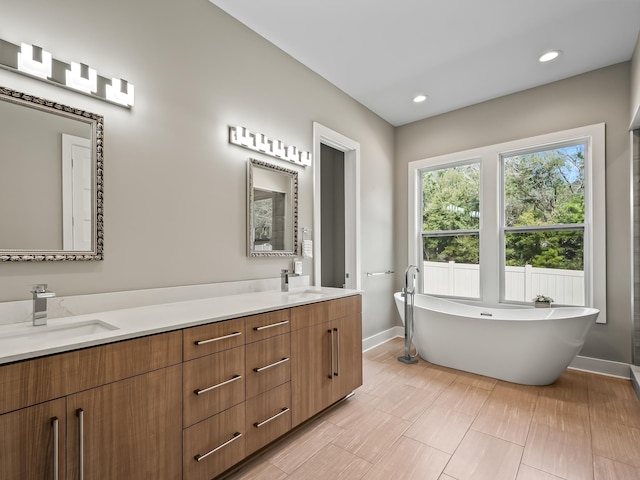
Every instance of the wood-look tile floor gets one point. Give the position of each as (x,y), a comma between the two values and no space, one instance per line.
(428,422)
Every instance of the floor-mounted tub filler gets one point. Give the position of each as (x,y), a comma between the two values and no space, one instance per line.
(531,346)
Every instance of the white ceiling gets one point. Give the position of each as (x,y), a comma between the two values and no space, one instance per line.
(459,52)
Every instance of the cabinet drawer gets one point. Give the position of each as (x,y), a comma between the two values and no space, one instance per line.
(268,417)
(212,384)
(214,445)
(344,307)
(265,325)
(309,315)
(212,338)
(34,381)
(268,364)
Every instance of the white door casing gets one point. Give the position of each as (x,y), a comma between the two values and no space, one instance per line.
(325,136)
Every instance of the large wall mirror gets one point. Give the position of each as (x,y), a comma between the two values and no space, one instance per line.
(272,210)
(51,188)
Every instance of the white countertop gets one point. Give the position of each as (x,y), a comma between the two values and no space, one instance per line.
(22,341)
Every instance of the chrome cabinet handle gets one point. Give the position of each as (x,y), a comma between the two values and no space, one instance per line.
(80,414)
(213,387)
(282,411)
(231,335)
(337,372)
(332,349)
(235,437)
(260,369)
(54,425)
(264,327)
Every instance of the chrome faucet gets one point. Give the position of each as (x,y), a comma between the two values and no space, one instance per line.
(40,295)
(408,292)
(284,279)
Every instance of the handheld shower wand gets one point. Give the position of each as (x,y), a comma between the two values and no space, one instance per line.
(408,314)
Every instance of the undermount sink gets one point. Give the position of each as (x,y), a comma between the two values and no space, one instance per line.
(52,331)
(305,295)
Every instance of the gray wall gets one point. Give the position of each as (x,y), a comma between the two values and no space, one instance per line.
(635,86)
(599,96)
(175,189)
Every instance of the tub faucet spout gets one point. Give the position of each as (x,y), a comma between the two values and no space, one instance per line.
(408,292)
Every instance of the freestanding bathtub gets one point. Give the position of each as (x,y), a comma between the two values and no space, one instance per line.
(532,346)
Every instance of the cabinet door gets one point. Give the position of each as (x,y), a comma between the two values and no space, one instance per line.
(127,429)
(347,377)
(311,371)
(32,442)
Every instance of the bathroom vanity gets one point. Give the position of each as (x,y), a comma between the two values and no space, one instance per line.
(189,402)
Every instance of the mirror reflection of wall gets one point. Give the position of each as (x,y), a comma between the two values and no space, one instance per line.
(31,180)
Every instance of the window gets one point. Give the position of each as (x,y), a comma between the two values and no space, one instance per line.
(543,224)
(451,230)
(504,223)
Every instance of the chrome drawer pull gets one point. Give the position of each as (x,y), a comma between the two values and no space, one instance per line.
(236,436)
(80,414)
(282,412)
(208,389)
(285,359)
(332,353)
(337,372)
(264,327)
(231,335)
(54,425)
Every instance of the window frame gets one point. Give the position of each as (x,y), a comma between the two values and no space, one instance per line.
(492,259)
(445,233)
(504,229)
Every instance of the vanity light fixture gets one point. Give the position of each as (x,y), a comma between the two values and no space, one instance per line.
(82,77)
(120,91)
(35,62)
(258,142)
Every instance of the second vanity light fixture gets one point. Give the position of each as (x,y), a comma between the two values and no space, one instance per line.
(36,62)
(258,142)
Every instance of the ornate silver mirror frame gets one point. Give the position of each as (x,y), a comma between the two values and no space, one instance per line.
(272,210)
(29,182)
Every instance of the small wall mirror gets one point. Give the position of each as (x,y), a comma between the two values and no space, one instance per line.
(51,188)
(272,210)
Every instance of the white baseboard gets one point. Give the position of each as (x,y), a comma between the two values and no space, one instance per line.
(635,379)
(601,367)
(382,337)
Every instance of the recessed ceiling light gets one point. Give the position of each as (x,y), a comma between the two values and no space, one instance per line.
(420,98)
(550,55)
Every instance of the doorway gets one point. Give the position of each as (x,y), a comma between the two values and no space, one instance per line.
(336,222)
(332,231)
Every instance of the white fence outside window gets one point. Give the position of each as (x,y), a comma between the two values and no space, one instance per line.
(521,283)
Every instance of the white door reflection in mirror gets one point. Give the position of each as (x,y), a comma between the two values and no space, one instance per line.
(76,193)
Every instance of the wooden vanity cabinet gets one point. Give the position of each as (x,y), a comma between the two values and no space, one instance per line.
(326,342)
(129,396)
(188,404)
